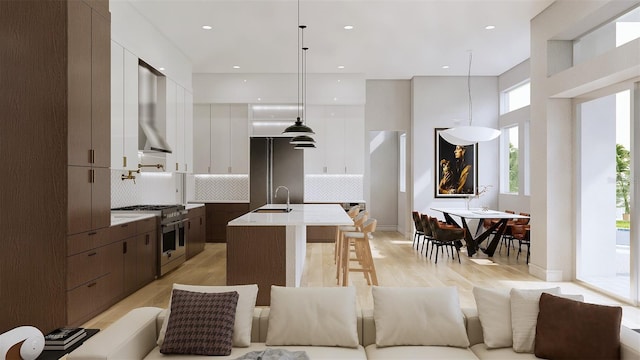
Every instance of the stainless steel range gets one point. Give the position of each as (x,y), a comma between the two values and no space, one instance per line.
(171,232)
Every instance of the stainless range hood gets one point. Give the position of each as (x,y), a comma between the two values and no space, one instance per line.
(150,138)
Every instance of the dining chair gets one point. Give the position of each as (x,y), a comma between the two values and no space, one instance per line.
(508,237)
(417,222)
(450,237)
(427,233)
(523,234)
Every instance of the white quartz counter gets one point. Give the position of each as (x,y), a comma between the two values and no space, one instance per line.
(193,206)
(301,214)
(123,218)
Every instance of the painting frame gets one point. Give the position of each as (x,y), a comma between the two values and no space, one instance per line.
(448,165)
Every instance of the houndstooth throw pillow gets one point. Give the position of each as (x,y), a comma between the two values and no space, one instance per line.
(200,323)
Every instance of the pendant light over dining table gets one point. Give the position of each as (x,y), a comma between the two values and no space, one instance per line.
(467,135)
(299,130)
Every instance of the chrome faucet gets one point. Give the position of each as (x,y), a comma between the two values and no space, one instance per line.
(286,188)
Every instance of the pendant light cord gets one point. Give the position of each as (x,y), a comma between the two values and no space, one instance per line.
(469,88)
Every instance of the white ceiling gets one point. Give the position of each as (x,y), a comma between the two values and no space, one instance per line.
(391,39)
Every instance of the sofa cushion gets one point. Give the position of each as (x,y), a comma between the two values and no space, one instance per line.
(482,351)
(244,310)
(568,329)
(524,314)
(418,316)
(375,352)
(494,311)
(200,323)
(313,316)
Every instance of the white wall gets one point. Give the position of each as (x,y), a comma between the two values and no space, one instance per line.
(553,201)
(384,156)
(438,101)
(131,30)
(512,77)
(388,108)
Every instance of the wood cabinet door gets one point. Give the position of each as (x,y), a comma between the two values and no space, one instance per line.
(101,198)
(79,82)
(100,90)
(147,257)
(79,199)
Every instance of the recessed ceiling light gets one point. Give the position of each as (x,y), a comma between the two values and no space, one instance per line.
(245,80)
(490,27)
(340,66)
(348,27)
(207,27)
(445,66)
(236,67)
(259,99)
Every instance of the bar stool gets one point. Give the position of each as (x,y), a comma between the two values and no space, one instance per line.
(357,226)
(360,242)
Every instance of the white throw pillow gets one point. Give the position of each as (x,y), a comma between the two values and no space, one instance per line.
(418,316)
(494,311)
(244,310)
(313,316)
(524,316)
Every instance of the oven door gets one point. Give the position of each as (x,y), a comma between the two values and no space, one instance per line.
(171,250)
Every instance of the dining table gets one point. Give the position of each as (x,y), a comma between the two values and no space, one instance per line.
(473,241)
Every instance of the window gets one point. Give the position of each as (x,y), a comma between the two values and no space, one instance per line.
(403,162)
(517,97)
(609,36)
(511,163)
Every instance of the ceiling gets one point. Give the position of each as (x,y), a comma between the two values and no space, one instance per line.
(391,39)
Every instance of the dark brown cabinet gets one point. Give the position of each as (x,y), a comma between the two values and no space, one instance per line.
(196,231)
(218,215)
(139,244)
(57,147)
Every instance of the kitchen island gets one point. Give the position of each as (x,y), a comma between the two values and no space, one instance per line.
(268,246)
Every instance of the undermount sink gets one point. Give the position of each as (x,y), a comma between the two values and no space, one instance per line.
(271,210)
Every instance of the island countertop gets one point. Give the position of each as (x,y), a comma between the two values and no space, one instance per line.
(301,214)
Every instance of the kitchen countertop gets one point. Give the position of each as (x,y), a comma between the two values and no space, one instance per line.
(123,218)
(190,206)
(301,214)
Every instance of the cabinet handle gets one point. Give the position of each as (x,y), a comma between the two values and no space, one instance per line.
(177,167)
(92,254)
(124,225)
(229,169)
(124,247)
(92,284)
(90,156)
(189,226)
(209,169)
(324,169)
(92,233)
(200,221)
(146,239)
(124,161)
(186,167)
(345,169)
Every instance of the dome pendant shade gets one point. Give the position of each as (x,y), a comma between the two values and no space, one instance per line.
(304,146)
(298,129)
(467,135)
(302,139)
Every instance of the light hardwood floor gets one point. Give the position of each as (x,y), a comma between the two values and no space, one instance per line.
(397,264)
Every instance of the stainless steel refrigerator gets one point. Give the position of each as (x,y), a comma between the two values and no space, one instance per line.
(274,162)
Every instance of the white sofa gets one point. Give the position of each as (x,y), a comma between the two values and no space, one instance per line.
(134,337)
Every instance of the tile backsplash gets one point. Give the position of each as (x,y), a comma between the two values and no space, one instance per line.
(149,188)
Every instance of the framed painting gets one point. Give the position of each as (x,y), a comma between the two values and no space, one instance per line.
(456,168)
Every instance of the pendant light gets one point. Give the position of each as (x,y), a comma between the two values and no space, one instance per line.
(299,128)
(467,135)
(303,141)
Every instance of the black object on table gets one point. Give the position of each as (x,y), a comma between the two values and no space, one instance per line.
(57,354)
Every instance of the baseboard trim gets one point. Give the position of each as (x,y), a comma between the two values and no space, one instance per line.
(543,274)
(386,228)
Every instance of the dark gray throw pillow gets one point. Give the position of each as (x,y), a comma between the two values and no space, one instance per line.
(200,323)
(569,329)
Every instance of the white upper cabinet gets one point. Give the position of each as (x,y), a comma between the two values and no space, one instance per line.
(221,139)
(124,108)
(188,132)
(201,138)
(179,148)
(176,107)
(339,140)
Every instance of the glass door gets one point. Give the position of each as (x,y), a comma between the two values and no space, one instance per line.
(604,194)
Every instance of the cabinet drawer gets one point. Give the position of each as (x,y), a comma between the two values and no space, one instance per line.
(146,225)
(87,300)
(85,266)
(88,240)
(199,211)
(123,231)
